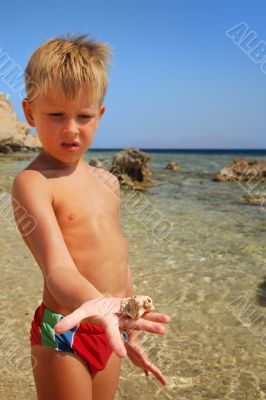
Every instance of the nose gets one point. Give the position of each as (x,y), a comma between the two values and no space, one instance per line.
(70,128)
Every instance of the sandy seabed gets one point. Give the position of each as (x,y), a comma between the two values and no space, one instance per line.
(205,274)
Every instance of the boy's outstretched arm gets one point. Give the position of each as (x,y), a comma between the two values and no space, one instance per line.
(32,200)
(31,196)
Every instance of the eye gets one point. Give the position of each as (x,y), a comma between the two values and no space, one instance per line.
(84,116)
(56,115)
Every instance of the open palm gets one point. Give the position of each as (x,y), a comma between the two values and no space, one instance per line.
(104,311)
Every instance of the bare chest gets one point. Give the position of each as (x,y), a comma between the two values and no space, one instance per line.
(85,208)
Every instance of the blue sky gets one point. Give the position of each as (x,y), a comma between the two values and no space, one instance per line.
(177,82)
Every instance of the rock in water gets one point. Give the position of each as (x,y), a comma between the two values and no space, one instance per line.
(130,166)
(261,293)
(14,134)
(173,165)
(256,199)
(242,169)
(95,162)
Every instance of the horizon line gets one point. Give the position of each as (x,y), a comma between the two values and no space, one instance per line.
(178,149)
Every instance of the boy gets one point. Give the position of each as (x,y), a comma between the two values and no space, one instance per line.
(76,240)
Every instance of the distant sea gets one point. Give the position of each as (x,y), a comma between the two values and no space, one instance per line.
(243,152)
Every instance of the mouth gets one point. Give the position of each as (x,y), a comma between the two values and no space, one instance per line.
(70,145)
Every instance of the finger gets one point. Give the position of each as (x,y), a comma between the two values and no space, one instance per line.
(70,321)
(157,317)
(157,373)
(147,366)
(114,336)
(142,325)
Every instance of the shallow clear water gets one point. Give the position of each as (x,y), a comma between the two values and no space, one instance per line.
(199,251)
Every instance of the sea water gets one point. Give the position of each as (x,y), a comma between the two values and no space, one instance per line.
(198,250)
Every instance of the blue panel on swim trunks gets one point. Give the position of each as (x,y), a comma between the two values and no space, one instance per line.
(64,340)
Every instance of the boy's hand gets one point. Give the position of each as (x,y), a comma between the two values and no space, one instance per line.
(138,357)
(104,311)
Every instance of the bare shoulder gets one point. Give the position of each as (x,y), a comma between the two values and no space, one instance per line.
(31,187)
(29,178)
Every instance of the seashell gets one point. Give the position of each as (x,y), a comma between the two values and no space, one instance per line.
(136,306)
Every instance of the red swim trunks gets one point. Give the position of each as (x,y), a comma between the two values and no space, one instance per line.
(87,340)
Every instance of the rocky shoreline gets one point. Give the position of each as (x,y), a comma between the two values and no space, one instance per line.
(14,134)
(130,165)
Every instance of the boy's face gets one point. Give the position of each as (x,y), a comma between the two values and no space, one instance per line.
(64,126)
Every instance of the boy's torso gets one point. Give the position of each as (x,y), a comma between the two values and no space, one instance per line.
(87,211)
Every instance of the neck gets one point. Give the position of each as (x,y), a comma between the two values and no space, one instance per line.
(45,157)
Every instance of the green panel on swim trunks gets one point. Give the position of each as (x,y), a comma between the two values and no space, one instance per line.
(47,330)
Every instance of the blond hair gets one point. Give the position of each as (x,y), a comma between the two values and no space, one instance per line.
(65,65)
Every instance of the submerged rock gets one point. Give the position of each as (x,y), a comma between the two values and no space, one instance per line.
(15,157)
(242,169)
(261,293)
(14,134)
(173,165)
(256,199)
(130,166)
(95,162)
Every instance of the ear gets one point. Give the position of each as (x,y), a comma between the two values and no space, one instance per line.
(101,111)
(27,108)
(100,114)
